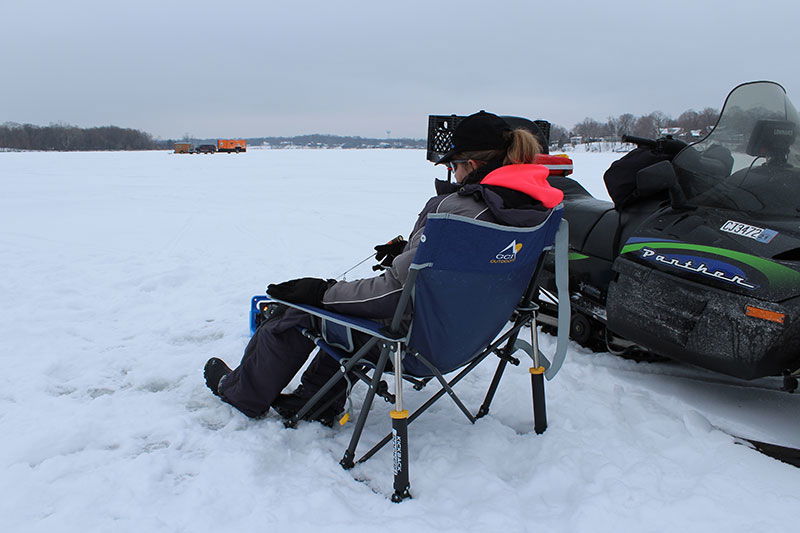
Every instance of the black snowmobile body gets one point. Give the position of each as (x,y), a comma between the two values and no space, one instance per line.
(703,265)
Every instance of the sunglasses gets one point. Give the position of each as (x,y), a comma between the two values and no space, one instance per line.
(451,166)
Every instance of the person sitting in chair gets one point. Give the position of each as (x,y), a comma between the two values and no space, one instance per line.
(495,181)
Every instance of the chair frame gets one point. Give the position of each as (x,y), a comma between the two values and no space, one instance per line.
(393,344)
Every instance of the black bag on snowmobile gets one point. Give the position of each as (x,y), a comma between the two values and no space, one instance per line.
(621,177)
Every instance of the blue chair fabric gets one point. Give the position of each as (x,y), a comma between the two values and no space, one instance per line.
(471,275)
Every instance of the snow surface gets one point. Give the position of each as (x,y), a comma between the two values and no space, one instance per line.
(123,272)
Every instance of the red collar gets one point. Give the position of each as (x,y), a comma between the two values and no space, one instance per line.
(529,179)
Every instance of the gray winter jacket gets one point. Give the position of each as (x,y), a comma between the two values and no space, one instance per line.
(377,297)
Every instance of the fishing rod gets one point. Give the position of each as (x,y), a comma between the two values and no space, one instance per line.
(343,274)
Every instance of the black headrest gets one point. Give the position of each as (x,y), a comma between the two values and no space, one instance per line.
(771,138)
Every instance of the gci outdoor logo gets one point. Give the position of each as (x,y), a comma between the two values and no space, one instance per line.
(508,254)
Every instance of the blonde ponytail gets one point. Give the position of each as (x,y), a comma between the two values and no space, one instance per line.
(523,149)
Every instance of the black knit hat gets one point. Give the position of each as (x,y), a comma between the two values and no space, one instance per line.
(478,132)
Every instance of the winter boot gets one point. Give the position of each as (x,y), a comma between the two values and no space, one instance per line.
(288,405)
(214,371)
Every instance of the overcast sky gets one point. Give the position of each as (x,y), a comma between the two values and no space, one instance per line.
(245,69)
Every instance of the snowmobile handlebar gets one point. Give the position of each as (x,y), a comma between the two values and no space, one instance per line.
(640,141)
(665,145)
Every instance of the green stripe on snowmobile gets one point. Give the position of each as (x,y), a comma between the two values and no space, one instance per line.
(574,256)
(773,271)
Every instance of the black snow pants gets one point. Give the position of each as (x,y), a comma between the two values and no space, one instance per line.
(271,359)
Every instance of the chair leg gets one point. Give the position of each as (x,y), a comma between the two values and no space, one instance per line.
(539,407)
(537,384)
(400,431)
(487,401)
(505,358)
(400,456)
(347,460)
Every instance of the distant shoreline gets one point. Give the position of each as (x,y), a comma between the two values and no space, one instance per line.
(249,148)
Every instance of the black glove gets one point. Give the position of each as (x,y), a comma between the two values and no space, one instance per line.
(306,291)
(387,252)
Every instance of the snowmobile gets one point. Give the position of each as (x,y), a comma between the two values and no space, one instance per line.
(701,264)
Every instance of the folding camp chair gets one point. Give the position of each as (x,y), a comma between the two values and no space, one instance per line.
(467,281)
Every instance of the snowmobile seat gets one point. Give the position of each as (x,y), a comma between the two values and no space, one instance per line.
(610,227)
(593,222)
(570,187)
(602,225)
(468,279)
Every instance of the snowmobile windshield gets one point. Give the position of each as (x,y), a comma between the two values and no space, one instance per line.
(751,160)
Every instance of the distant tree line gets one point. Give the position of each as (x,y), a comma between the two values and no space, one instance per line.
(689,125)
(65,137)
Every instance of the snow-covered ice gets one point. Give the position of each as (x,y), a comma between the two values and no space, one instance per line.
(123,272)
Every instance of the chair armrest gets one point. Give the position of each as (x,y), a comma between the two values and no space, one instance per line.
(369,327)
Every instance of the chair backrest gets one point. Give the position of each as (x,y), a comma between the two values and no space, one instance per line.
(470,275)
